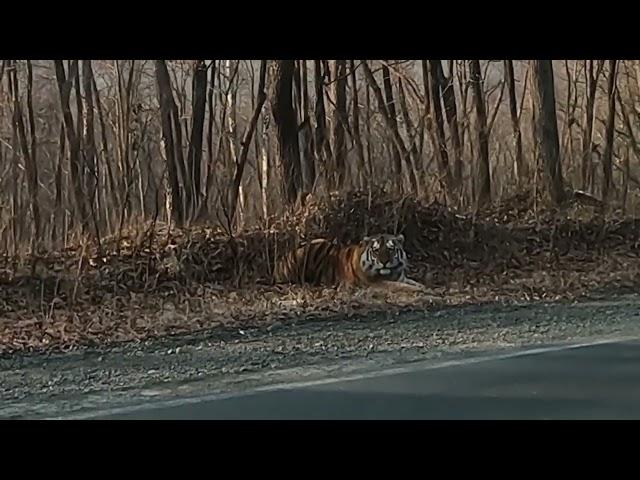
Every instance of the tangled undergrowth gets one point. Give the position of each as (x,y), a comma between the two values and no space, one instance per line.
(161,281)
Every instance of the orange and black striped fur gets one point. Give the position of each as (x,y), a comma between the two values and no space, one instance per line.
(375,260)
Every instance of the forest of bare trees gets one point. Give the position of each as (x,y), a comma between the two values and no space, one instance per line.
(147,197)
(89,148)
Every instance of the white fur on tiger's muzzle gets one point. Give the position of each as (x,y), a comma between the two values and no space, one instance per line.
(389,268)
(374,266)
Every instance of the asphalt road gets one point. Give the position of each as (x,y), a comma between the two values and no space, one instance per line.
(594,381)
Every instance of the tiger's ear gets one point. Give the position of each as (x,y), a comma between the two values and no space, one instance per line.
(400,238)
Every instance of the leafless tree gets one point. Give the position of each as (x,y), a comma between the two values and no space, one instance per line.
(546,127)
(101,147)
(391,117)
(65,82)
(522,173)
(438,135)
(392,126)
(340,120)
(194,154)
(246,142)
(607,168)
(484,175)
(28,148)
(587,131)
(172,140)
(284,116)
(357,137)
(451,113)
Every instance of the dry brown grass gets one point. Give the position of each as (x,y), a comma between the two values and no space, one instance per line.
(162,282)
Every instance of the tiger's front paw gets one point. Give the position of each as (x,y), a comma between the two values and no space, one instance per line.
(413,285)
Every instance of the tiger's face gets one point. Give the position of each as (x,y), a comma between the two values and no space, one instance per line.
(384,256)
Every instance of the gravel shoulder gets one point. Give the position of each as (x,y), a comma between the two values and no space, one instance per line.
(49,385)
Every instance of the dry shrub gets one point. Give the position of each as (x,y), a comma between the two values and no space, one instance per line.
(439,241)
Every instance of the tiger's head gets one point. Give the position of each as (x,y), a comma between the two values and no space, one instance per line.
(383,256)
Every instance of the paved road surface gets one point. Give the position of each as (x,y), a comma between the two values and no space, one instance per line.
(597,381)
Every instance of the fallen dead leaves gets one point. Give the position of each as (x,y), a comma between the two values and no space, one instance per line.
(176,282)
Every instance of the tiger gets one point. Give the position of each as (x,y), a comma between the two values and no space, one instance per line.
(379,260)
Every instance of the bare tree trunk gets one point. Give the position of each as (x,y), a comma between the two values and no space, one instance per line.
(339,122)
(32,177)
(522,173)
(464,85)
(546,128)
(627,174)
(64,88)
(16,230)
(194,153)
(307,161)
(322,146)
(232,137)
(59,213)
(587,132)
(427,111)
(484,172)
(121,130)
(607,168)
(367,125)
(172,140)
(565,134)
(284,116)
(390,109)
(305,88)
(106,154)
(125,137)
(90,144)
(246,143)
(297,91)
(410,130)
(27,153)
(629,128)
(204,205)
(264,164)
(357,139)
(441,146)
(391,125)
(451,113)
